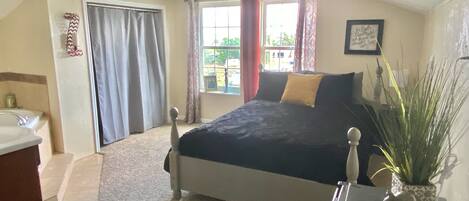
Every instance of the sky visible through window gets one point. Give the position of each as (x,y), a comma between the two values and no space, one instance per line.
(220,23)
(279,36)
(281,22)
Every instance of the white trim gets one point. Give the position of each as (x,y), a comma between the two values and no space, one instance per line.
(230,182)
(205,120)
(94,110)
(120,4)
(218,93)
(202,47)
(220,47)
(207,4)
(167,58)
(122,7)
(126,4)
(279,1)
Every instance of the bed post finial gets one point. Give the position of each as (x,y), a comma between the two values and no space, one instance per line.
(174,112)
(174,130)
(174,155)
(352,169)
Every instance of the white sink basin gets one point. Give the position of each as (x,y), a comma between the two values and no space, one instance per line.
(17,138)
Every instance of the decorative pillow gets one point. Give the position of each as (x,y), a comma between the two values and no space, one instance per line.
(336,89)
(301,89)
(271,85)
(357,94)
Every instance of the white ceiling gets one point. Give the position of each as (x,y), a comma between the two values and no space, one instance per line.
(6,6)
(416,5)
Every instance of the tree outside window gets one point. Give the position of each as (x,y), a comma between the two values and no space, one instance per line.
(221,49)
(280,18)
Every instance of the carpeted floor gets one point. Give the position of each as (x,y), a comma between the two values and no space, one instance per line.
(133,168)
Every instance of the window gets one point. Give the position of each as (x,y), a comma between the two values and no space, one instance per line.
(220,48)
(279,30)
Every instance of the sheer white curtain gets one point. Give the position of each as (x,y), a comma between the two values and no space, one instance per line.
(305,44)
(129,61)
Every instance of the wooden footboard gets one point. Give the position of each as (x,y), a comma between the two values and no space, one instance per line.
(235,183)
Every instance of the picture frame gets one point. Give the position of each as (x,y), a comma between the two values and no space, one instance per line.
(210,82)
(362,37)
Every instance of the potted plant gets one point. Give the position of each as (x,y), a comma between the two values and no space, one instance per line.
(418,127)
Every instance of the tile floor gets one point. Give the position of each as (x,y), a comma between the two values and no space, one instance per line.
(85,178)
(55,176)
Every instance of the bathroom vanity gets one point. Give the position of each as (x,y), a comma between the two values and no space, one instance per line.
(19,160)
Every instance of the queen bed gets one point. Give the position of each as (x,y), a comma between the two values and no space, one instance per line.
(271,151)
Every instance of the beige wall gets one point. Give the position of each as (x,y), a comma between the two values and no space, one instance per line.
(73,82)
(213,105)
(402,27)
(73,78)
(3,67)
(178,52)
(26,48)
(4,90)
(29,96)
(31,39)
(6,6)
(447,36)
(447,30)
(42,53)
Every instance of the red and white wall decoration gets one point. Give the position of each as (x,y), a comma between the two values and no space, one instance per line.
(72,37)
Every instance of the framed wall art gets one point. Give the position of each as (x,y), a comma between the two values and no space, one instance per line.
(362,37)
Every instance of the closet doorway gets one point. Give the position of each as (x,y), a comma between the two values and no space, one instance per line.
(128,72)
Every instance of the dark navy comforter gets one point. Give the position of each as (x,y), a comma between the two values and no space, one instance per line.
(297,141)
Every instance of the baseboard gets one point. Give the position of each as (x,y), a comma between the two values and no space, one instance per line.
(204,120)
(182,118)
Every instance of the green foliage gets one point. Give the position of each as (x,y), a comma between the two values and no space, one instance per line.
(231,42)
(285,40)
(419,130)
(218,56)
(223,55)
(208,57)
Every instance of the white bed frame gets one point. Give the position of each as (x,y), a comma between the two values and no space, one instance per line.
(235,183)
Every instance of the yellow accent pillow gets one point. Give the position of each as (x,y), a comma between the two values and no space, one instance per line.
(301,89)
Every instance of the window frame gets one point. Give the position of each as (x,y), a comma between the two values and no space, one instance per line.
(265,3)
(202,47)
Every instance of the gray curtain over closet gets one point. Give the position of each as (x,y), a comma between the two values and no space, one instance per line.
(129,62)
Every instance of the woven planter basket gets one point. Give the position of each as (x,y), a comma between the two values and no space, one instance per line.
(421,193)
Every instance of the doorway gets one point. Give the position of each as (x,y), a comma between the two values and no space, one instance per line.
(127,59)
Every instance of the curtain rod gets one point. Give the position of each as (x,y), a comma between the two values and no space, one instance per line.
(124,7)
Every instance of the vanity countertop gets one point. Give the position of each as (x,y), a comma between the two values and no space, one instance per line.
(17,138)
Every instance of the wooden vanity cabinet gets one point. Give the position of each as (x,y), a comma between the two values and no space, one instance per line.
(19,176)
